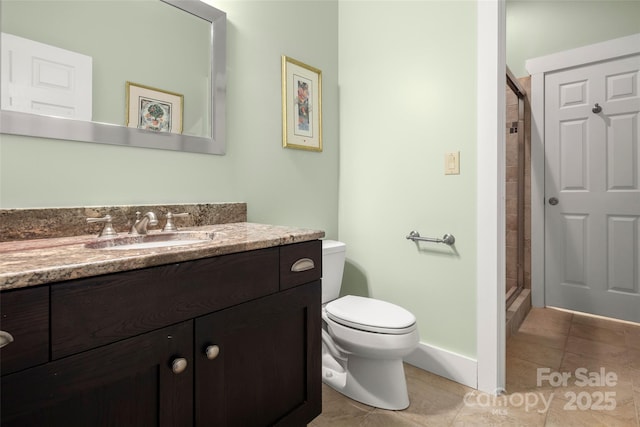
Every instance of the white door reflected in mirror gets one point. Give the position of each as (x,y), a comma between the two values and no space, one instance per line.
(41,79)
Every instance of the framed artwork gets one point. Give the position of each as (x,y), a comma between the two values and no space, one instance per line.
(301,105)
(153,109)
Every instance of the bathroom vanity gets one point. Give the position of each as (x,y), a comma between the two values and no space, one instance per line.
(215,334)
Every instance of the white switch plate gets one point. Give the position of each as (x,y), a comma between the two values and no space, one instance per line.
(452,163)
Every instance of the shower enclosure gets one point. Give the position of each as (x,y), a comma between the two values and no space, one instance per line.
(515,188)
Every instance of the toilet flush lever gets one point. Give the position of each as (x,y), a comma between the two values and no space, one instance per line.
(303,264)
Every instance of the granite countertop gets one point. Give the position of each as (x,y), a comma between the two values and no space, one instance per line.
(26,263)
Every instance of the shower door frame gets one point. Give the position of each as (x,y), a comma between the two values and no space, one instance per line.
(519,91)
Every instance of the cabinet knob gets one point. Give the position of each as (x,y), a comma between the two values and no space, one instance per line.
(179,365)
(5,338)
(212,352)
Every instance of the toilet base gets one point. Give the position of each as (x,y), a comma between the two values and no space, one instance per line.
(375,382)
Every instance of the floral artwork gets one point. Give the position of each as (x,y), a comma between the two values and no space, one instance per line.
(153,109)
(301,105)
(303,119)
(154,115)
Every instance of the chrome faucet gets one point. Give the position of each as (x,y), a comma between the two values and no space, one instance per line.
(140,226)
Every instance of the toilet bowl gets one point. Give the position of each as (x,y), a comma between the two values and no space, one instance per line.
(363,340)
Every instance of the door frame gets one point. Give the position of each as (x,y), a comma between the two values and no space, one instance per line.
(537,68)
(490,205)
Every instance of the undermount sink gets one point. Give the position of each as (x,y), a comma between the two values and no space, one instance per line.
(152,241)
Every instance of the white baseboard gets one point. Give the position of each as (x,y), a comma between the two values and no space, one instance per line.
(447,364)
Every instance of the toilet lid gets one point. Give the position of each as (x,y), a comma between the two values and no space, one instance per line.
(371,315)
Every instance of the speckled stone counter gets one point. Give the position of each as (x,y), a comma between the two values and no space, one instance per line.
(26,263)
(20,224)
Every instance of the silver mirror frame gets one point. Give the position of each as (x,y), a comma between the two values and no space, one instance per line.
(17,123)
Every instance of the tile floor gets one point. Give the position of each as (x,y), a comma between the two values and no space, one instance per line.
(557,340)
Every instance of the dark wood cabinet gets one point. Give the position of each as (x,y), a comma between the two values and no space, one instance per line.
(90,312)
(266,365)
(24,314)
(232,340)
(128,383)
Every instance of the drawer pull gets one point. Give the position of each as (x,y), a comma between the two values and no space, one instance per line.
(303,264)
(5,338)
(212,352)
(179,365)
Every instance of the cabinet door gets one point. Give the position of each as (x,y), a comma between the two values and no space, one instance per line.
(268,364)
(128,383)
(24,313)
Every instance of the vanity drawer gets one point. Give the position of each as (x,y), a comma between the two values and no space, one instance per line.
(87,313)
(300,263)
(24,313)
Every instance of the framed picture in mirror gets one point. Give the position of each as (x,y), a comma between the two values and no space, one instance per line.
(153,109)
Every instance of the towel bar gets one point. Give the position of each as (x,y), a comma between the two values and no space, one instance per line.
(447,239)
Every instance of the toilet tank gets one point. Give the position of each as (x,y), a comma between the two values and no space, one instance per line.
(333,256)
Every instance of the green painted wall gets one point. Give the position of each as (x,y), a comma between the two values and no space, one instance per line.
(537,28)
(404,93)
(407,96)
(280,186)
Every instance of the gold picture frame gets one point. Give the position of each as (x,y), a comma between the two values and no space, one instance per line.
(301,105)
(153,109)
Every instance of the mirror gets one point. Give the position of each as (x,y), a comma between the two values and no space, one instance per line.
(143,56)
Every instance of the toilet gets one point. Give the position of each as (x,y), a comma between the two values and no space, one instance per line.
(363,340)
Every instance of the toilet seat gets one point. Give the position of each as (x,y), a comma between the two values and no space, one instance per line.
(371,315)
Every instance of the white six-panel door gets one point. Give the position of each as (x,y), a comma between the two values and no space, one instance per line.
(41,79)
(592,189)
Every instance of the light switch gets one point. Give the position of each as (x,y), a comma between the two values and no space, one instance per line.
(452,163)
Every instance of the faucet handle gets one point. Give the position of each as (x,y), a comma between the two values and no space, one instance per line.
(107,230)
(170,226)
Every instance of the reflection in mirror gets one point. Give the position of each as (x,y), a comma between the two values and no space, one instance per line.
(173,46)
